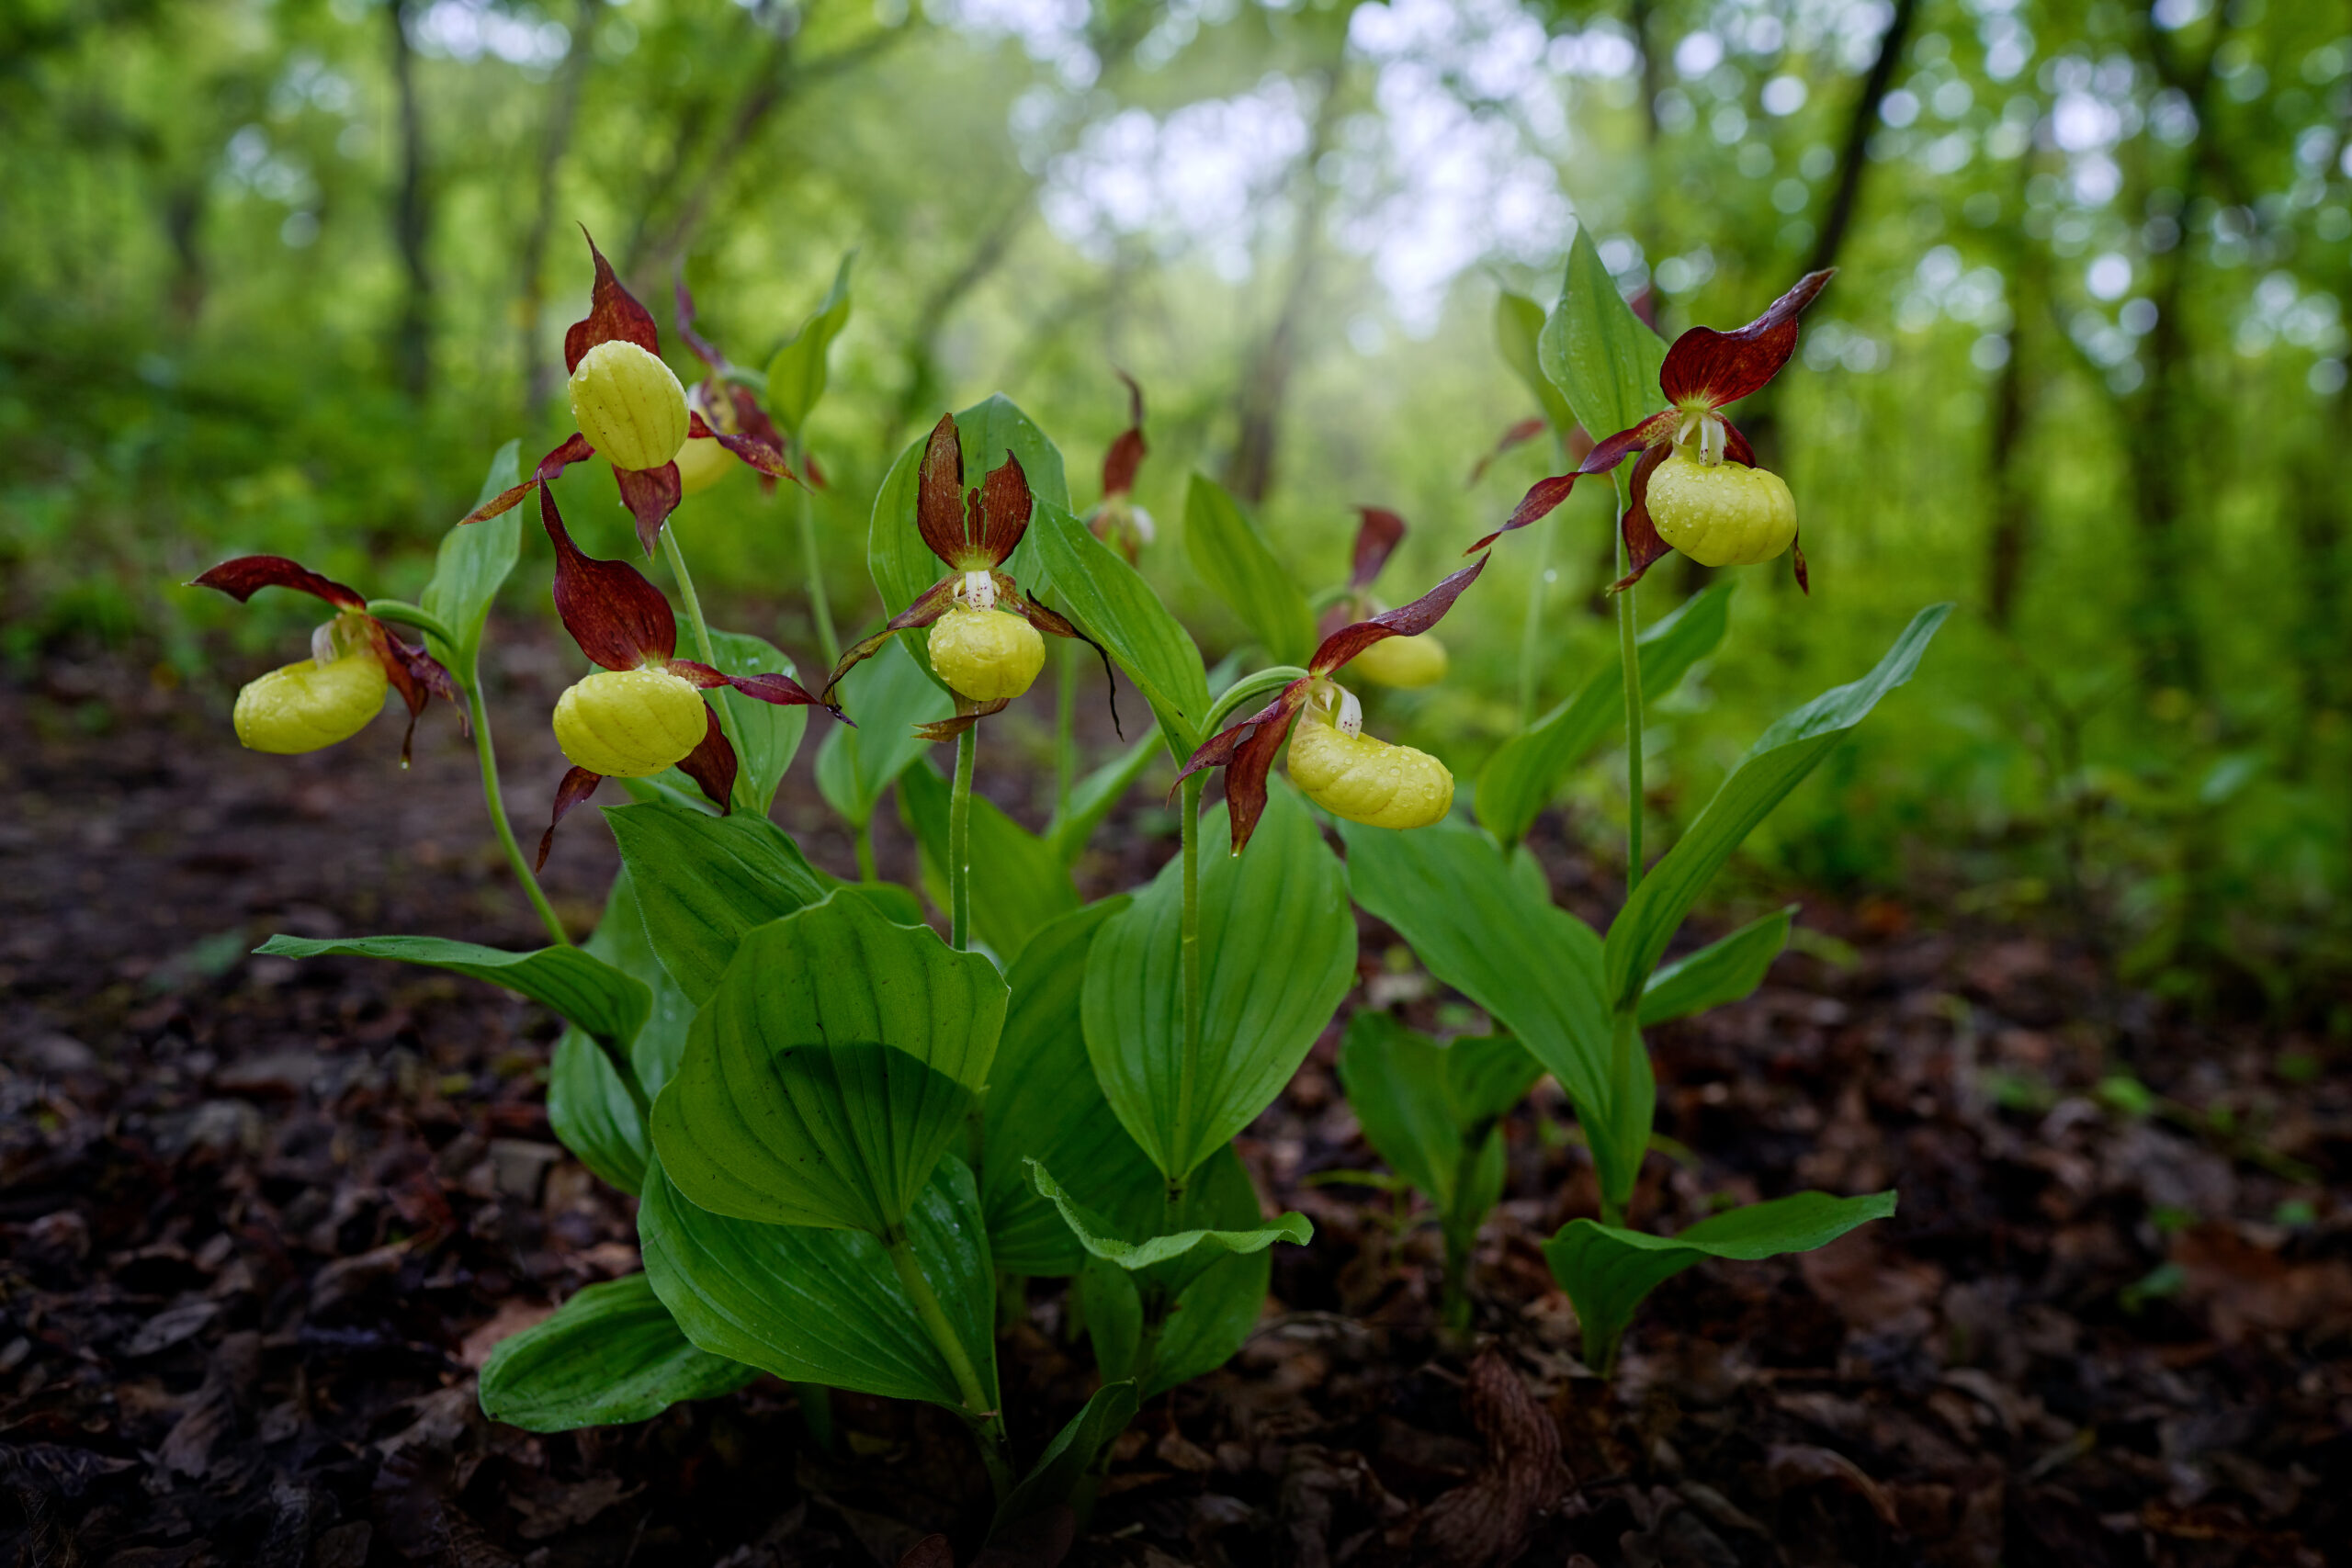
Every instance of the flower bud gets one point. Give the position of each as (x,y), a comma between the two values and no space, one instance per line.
(1402,661)
(986,655)
(629,405)
(312,704)
(626,723)
(1365,779)
(702,463)
(1721,514)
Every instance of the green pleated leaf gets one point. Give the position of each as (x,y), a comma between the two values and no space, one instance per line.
(703,881)
(837,1058)
(1519,325)
(1776,764)
(1278,951)
(902,564)
(474,563)
(1210,1318)
(1178,1256)
(1608,1271)
(1232,558)
(1093,798)
(827,1306)
(1099,591)
(583,989)
(588,1107)
(1533,966)
(1424,1106)
(1066,1459)
(771,735)
(1043,1102)
(1603,357)
(1528,771)
(886,697)
(796,376)
(1721,972)
(1018,883)
(610,1355)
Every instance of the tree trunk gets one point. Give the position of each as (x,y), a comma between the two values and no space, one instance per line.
(412,218)
(2029,272)
(1847,194)
(1250,472)
(563,111)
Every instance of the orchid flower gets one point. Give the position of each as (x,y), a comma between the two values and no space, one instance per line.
(1116,520)
(1331,759)
(1683,495)
(333,694)
(984,634)
(1403,663)
(643,710)
(630,407)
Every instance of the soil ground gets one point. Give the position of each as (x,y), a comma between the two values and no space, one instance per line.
(259,1222)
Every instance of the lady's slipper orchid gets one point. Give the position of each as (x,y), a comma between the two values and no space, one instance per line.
(724,404)
(333,694)
(643,711)
(1344,771)
(1116,520)
(984,641)
(630,407)
(1682,496)
(1402,661)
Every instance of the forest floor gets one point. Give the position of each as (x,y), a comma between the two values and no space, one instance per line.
(259,1222)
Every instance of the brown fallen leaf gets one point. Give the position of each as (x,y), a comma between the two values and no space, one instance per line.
(1803,1464)
(2246,1289)
(1485,1522)
(511,1319)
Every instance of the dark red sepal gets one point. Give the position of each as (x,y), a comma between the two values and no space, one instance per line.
(1723,368)
(781,690)
(1405,620)
(1010,597)
(712,763)
(574,449)
(939,493)
(651,495)
(702,347)
(619,618)
(1796,559)
(759,454)
(246,575)
(1735,446)
(613,314)
(931,603)
(1377,539)
(1519,434)
(1246,751)
(1535,506)
(1128,448)
(968,714)
(1643,546)
(577,785)
(1000,513)
(417,676)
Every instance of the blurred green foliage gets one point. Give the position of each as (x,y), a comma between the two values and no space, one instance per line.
(279,275)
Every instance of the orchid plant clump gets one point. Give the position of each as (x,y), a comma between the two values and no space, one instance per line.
(854,1141)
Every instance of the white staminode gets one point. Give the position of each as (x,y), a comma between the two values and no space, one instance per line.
(979,590)
(1708,429)
(324,647)
(1350,719)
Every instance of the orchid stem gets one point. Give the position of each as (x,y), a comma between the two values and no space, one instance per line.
(1191,953)
(988,1424)
(1531,638)
(1628,655)
(861,836)
(820,607)
(1064,730)
(494,798)
(677,559)
(959,842)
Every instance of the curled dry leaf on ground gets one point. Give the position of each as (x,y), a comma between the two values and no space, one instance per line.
(262,1223)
